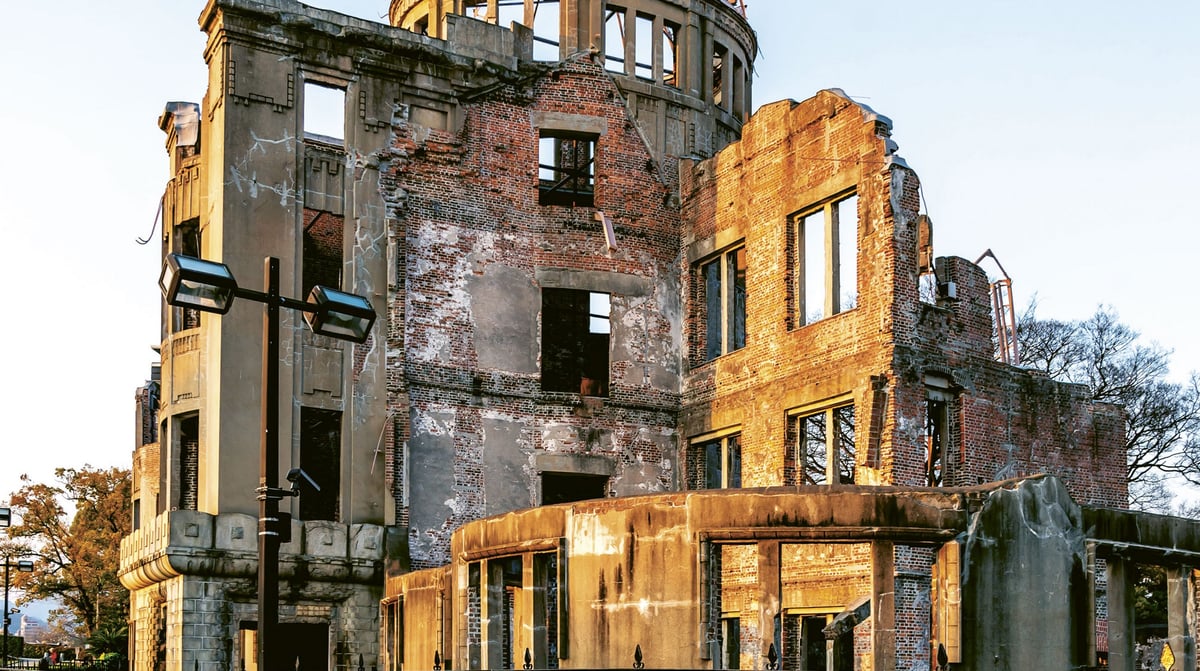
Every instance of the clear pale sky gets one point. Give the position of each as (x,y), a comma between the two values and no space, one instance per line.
(1058,134)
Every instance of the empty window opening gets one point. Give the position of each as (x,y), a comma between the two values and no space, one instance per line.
(822,447)
(816,651)
(644,43)
(189,461)
(421,25)
(614,40)
(324,113)
(722,281)
(825,267)
(719,74)
(1150,610)
(716,463)
(569,487)
(939,400)
(935,441)
(509,12)
(321,459)
(739,89)
(575,340)
(670,53)
(322,263)
(545,30)
(477,9)
(731,642)
(566,168)
(805,647)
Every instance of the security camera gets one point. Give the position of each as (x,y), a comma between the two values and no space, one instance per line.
(294,475)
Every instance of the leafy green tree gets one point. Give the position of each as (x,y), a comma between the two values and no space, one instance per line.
(1162,418)
(72,529)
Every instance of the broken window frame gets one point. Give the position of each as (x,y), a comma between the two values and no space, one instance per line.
(837,269)
(721,280)
(584,321)
(570,177)
(717,460)
(837,458)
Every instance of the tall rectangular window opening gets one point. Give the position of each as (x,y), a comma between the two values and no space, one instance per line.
(189,461)
(670,53)
(510,12)
(321,459)
(545,30)
(845,215)
(566,168)
(825,267)
(723,284)
(644,38)
(716,463)
(720,73)
(822,446)
(324,113)
(938,403)
(322,262)
(576,327)
(614,39)
(731,642)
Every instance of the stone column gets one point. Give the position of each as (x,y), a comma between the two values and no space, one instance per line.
(1181,617)
(1120,615)
(769,599)
(883,606)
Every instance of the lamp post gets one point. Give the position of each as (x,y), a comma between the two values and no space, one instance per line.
(22,565)
(210,287)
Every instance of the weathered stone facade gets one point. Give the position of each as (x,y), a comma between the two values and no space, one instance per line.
(597,277)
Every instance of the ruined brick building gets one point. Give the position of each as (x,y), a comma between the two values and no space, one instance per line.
(606,292)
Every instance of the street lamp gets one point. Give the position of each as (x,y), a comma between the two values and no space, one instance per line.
(24,566)
(209,286)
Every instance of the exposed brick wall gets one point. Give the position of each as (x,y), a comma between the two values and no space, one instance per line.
(1004,422)
(463,210)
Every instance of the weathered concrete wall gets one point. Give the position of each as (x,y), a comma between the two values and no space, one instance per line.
(657,571)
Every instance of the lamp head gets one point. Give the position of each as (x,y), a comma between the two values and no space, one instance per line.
(194,283)
(339,314)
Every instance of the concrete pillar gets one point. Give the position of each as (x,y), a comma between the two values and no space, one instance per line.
(883,606)
(493,614)
(769,588)
(630,42)
(1120,615)
(1181,616)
